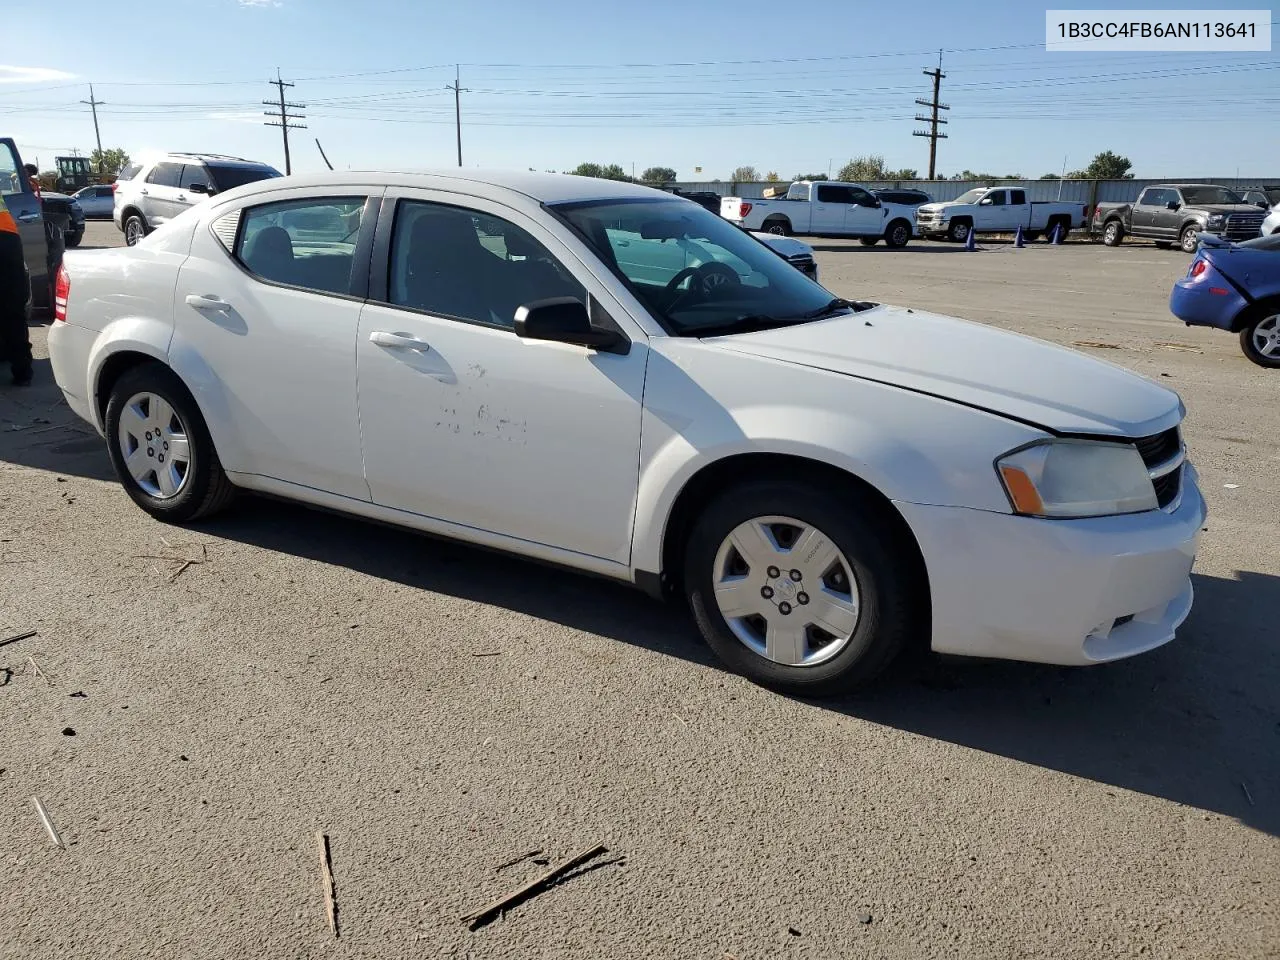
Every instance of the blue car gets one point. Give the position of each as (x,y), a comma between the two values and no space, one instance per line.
(1235,287)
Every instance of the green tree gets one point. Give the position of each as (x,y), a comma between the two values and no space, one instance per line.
(1105,166)
(659,175)
(598,170)
(810,176)
(109,161)
(906,173)
(745,175)
(870,167)
(1051,176)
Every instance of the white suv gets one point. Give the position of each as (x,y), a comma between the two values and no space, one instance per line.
(150,194)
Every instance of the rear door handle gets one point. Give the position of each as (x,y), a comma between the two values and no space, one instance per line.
(398,341)
(207,301)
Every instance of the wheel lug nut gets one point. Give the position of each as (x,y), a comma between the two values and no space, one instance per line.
(166,444)
(162,458)
(774,571)
(148,434)
(784,608)
(766,592)
(151,451)
(796,575)
(802,598)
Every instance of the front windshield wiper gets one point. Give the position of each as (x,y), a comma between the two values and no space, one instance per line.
(747,324)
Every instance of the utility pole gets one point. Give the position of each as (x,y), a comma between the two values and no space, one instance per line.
(93,103)
(458,90)
(933,120)
(283,117)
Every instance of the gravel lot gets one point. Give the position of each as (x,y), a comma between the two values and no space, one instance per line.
(438,711)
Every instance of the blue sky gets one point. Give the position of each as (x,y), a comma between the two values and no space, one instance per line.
(713,84)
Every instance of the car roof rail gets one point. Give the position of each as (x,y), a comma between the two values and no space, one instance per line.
(208,156)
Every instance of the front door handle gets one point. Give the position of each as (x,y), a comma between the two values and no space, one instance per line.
(399,341)
(207,301)
(28,217)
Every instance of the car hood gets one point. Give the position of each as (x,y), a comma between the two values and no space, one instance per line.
(787,246)
(976,365)
(1223,208)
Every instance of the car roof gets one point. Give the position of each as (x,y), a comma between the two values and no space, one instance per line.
(1181,185)
(543,187)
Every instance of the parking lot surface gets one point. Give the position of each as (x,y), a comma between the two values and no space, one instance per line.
(439,712)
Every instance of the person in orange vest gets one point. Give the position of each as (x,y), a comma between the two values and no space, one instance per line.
(15,292)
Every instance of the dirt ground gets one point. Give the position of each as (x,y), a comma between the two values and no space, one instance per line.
(439,712)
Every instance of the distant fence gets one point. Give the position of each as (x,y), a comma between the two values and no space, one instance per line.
(1080,191)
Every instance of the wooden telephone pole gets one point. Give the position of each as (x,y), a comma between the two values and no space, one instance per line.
(458,90)
(933,119)
(93,103)
(282,118)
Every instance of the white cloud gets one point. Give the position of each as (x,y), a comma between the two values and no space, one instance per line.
(262,3)
(10,74)
(241,116)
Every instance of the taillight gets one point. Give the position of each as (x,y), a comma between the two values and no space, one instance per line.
(115,187)
(743,209)
(1097,212)
(1198,268)
(61,291)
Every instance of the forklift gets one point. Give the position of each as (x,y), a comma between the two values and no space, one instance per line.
(75,173)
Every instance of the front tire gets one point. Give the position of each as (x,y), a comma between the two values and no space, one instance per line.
(1190,239)
(897,235)
(800,590)
(1113,234)
(958,232)
(161,449)
(1260,340)
(1164,244)
(869,241)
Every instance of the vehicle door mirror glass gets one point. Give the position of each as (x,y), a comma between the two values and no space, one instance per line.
(198,187)
(1172,205)
(985,202)
(562,320)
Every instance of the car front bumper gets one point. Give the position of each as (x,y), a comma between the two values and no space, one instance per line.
(1070,592)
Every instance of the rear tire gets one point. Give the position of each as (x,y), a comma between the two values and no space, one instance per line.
(867,593)
(1263,334)
(161,449)
(779,226)
(135,229)
(897,235)
(73,239)
(1113,233)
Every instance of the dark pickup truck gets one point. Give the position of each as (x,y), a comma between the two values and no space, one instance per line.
(1176,213)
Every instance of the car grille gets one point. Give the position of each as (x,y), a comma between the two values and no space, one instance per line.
(1163,455)
(925,215)
(1243,226)
(804,263)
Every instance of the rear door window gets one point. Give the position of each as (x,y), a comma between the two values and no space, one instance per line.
(1017,196)
(306,243)
(165,174)
(228,176)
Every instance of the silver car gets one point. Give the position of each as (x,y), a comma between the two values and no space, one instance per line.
(1272,222)
(97,202)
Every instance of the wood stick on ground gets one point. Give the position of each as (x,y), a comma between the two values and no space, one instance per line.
(326,881)
(48,824)
(27,635)
(35,668)
(520,859)
(479,917)
(182,569)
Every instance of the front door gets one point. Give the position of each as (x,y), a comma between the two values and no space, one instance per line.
(24,206)
(863,217)
(991,216)
(265,314)
(829,205)
(1145,211)
(464,421)
(1165,221)
(159,193)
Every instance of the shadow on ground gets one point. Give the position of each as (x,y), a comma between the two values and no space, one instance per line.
(1194,722)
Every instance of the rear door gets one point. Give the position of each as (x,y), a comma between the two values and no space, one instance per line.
(159,193)
(1019,211)
(24,205)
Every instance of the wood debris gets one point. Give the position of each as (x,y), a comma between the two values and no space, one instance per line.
(1096,343)
(48,824)
(520,859)
(35,668)
(479,918)
(18,636)
(178,564)
(326,881)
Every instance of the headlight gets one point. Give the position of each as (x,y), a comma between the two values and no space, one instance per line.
(1217,220)
(1076,478)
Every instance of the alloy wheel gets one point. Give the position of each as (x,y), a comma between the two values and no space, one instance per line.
(1266,337)
(786,591)
(154,445)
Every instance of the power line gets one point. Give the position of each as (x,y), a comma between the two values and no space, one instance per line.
(933,119)
(283,118)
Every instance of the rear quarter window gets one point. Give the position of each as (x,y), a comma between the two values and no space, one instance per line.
(226,177)
(129,171)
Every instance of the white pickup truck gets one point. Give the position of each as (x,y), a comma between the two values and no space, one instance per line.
(997,210)
(824,209)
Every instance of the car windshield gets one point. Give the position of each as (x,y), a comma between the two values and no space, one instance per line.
(1198,195)
(227,177)
(971,196)
(699,275)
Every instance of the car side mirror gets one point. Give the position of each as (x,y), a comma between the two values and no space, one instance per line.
(199,188)
(1262,204)
(985,202)
(564,320)
(1173,204)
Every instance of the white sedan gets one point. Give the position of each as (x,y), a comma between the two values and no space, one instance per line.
(615,380)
